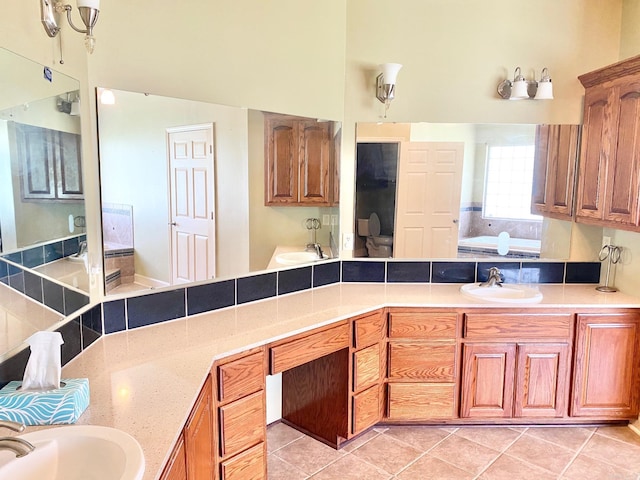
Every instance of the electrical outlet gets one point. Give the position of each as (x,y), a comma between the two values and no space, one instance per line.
(326,219)
(334,220)
(347,241)
(606,240)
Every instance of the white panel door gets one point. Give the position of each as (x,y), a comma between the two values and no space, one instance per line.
(428,200)
(192,197)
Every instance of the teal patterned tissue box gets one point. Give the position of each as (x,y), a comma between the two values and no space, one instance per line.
(60,406)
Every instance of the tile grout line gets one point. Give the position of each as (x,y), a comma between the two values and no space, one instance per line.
(502,452)
(423,454)
(566,467)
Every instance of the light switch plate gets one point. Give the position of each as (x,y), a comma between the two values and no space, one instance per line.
(347,241)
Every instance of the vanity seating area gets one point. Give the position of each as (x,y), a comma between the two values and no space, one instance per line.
(355,355)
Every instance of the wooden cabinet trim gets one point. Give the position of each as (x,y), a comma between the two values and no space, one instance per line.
(176,467)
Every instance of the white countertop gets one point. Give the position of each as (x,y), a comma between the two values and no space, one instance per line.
(145,381)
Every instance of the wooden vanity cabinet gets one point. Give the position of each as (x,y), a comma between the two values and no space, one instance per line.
(515,365)
(608,177)
(240,407)
(606,382)
(299,161)
(422,365)
(554,174)
(176,468)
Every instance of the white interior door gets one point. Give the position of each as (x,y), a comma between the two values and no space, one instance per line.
(428,199)
(192,197)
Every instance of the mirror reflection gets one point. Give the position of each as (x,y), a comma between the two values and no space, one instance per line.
(451,191)
(183,193)
(42,212)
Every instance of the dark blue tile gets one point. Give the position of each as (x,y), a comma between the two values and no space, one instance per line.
(33,257)
(453,272)
(53,252)
(91,326)
(70,246)
(354,271)
(33,286)
(114,318)
(509,271)
(15,257)
(256,287)
(53,295)
(4,270)
(326,273)
(542,272)
(16,281)
(13,368)
(155,308)
(13,269)
(294,280)
(211,296)
(408,272)
(72,338)
(583,272)
(74,301)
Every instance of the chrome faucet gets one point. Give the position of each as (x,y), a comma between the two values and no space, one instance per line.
(494,278)
(17,445)
(318,250)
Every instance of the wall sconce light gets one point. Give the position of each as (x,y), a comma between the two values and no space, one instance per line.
(521,88)
(386,84)
(88,9)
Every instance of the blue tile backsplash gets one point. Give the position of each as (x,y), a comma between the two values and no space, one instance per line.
(148,309)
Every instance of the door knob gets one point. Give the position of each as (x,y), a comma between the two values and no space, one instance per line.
(455,220)
(173,224)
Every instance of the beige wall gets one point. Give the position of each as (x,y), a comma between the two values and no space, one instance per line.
(133,149)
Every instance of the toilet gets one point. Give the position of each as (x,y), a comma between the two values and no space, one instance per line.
(378,246)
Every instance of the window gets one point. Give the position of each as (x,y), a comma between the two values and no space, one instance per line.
(508,182)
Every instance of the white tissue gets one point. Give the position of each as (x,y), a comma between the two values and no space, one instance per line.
(44,366)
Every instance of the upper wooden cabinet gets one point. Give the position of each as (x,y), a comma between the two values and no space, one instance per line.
(554,172)
(608,186)
(299,162)
(49,162)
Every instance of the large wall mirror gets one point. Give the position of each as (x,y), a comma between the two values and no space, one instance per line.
(42,212)
(221,153)
(476,179)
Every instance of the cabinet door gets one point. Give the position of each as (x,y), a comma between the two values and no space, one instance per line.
(176,468)
(281,160)
(554,170)
(606,370)
(366,409)
(35,150)
(541,380)
(68,166)
(621,203)
(487,380)
(199,437)
(315,162)
(594,153)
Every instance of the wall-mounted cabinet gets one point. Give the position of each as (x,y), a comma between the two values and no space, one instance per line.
(299,162)
(49,162)
(608,177)
(554,174)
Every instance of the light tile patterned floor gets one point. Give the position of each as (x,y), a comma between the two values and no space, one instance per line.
(464,453)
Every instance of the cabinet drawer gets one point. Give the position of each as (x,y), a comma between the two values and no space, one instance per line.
(436,325)
(421,401)
(366,367)
(542,325)
(304,349)
(368,330)
(419,361)
(366,409)
(241,377)
(242,424)
(248,465)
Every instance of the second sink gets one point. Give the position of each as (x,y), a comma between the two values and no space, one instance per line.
(507,293)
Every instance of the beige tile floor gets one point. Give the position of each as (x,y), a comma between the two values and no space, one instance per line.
(483,453)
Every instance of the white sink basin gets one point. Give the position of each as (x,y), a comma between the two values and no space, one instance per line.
(76,452)
(295,258)
(507,293)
